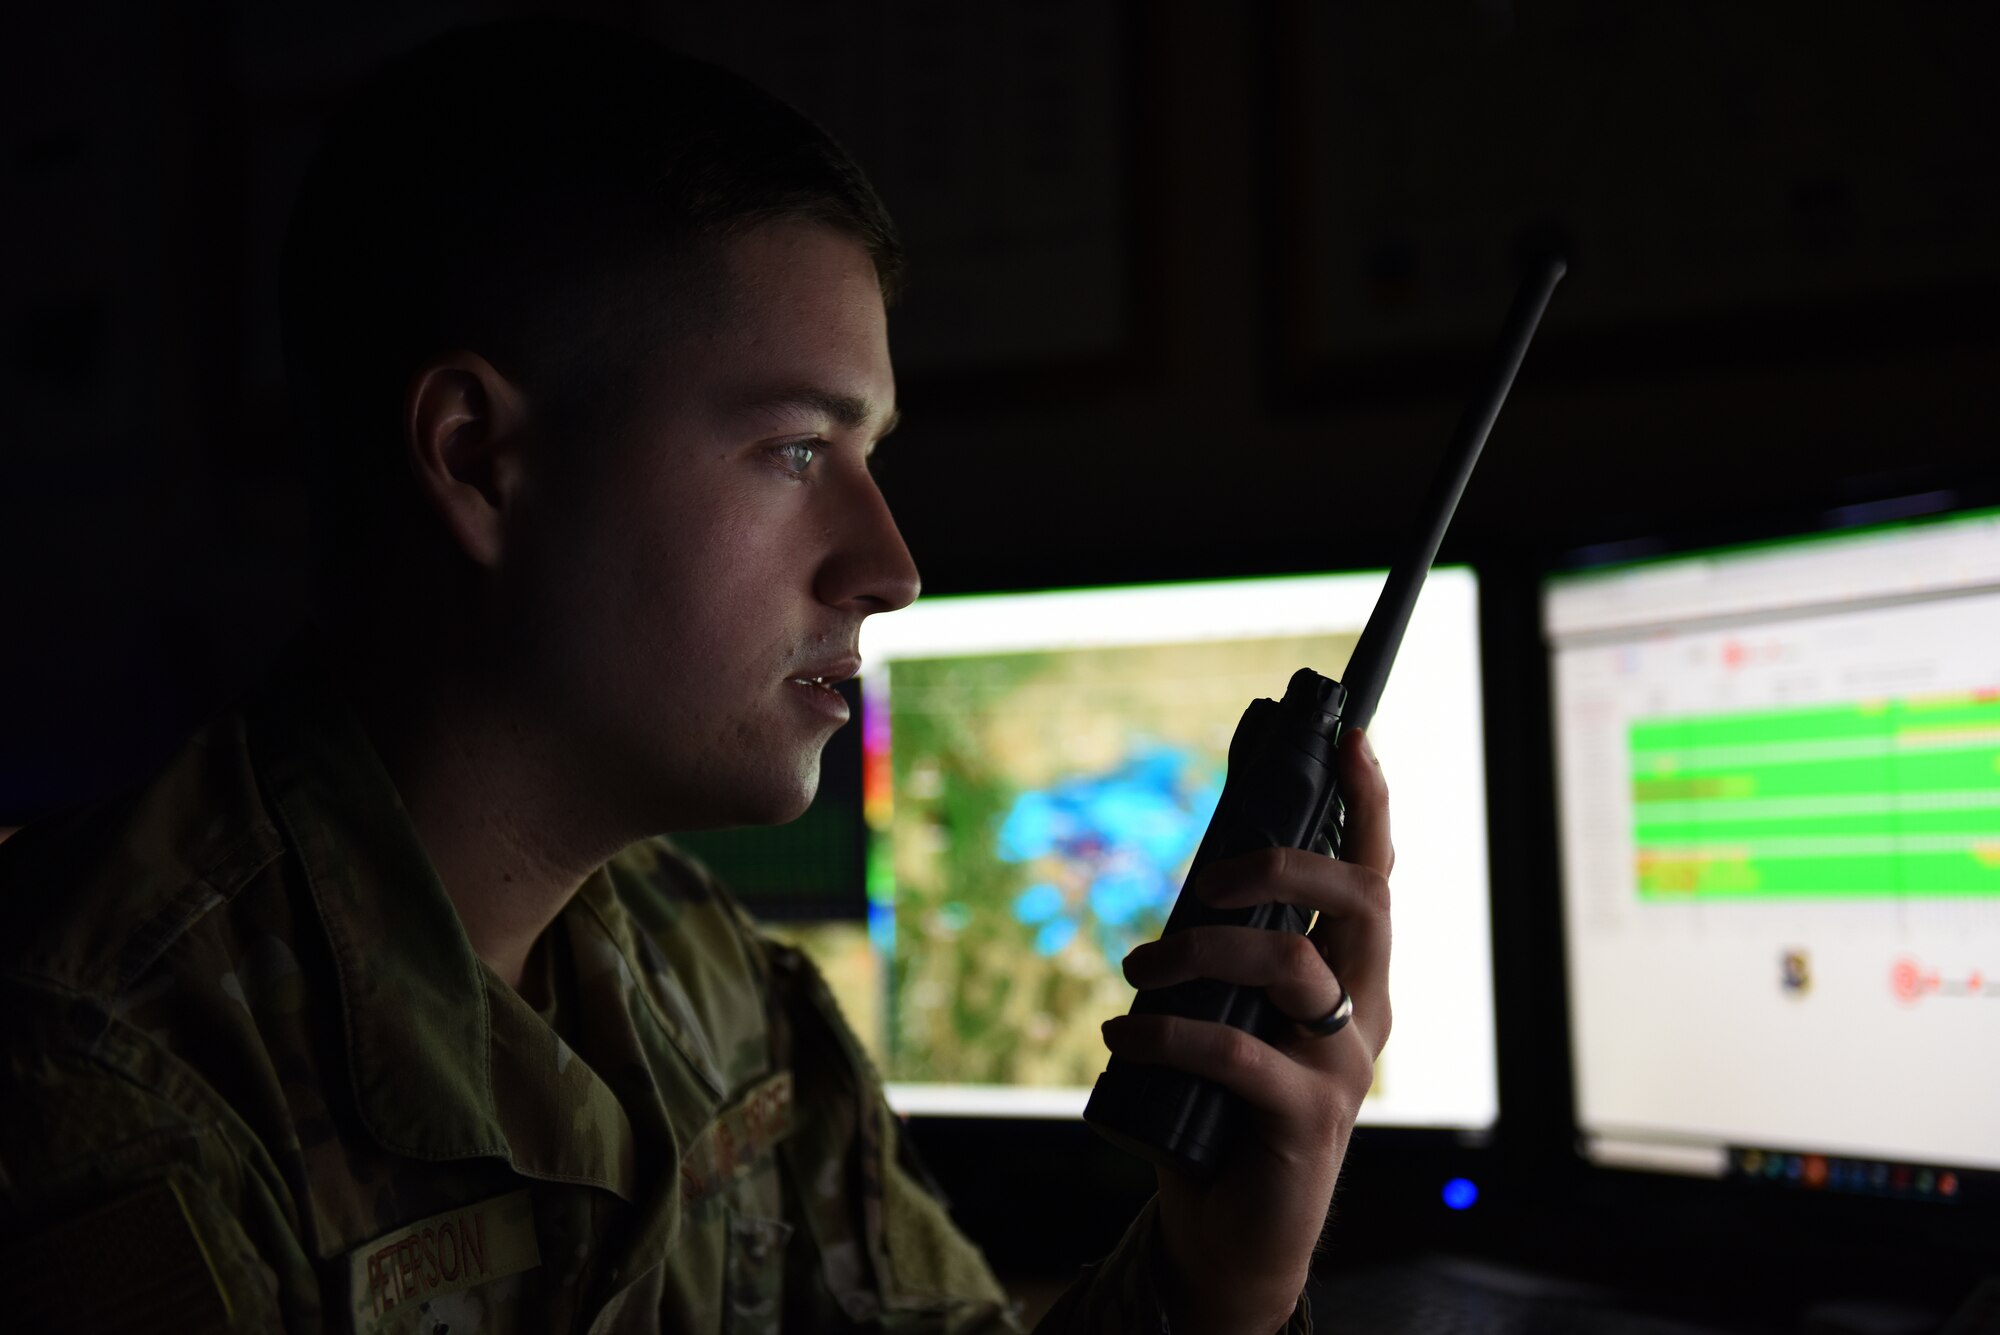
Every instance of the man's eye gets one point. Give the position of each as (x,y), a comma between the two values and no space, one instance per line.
(797,455)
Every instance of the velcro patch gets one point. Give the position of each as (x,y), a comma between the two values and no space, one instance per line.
(447,1253)
(740,1135)
(133,1265)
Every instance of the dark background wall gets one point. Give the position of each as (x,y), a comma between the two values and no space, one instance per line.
(1196,290)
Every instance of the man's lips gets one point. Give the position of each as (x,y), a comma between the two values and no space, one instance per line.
(829,672)
(816,682)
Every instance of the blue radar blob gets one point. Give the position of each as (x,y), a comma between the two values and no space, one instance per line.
(1038,903)
(1055,934)
(1117,837)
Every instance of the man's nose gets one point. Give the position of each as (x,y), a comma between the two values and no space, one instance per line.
(870,568)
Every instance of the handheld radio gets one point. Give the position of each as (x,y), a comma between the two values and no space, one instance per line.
(1281,791)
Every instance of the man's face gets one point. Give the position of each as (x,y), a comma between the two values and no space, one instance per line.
(671,591)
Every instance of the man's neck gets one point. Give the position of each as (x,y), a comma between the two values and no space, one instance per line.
(495,798)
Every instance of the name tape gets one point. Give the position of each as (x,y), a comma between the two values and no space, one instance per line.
(447,1253)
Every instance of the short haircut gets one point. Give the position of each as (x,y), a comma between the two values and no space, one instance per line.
(546,193)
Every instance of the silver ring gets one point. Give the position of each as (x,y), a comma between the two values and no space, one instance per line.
(1334,1021)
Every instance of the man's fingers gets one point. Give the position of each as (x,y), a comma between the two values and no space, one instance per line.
(1307,880)
(1366,794)
(1352,933)
(1266,1078)
(1286,965)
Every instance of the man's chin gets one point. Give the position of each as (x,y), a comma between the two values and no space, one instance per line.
(767,803)
(781,812)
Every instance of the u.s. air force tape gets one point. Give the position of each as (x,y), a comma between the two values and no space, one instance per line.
(389,1278)
(740,1135)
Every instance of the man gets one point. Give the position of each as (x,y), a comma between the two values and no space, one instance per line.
(385,1006)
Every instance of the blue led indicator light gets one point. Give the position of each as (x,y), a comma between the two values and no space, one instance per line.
(1460,1194)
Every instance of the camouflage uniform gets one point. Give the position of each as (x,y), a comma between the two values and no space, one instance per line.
(255,1078)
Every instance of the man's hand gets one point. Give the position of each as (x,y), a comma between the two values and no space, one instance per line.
(1239,1245)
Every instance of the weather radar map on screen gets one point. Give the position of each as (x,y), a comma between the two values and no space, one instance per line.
(1779,771)
(1038,771)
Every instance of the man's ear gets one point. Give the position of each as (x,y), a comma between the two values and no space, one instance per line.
(465,426)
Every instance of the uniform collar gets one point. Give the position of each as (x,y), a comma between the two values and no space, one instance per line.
(431,1031)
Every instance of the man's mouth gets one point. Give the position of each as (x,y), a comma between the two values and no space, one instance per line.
(828,672)
(817,689)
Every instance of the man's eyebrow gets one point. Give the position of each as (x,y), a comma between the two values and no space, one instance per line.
(849,411)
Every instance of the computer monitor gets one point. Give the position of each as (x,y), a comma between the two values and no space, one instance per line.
(1038,770)
(1779,794)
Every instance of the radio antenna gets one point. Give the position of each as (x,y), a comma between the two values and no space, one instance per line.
(1368,667)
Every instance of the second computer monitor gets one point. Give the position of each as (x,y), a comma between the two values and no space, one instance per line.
(1779,777)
